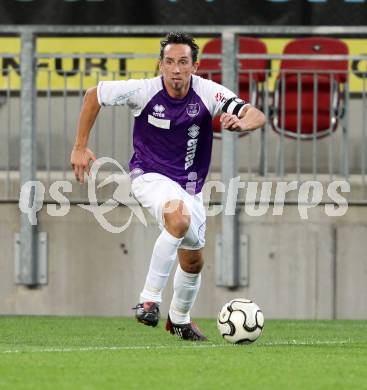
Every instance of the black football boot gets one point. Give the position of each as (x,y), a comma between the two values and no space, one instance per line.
(147,313)
(185,331)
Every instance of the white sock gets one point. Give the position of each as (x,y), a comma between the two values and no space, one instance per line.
(186,287)
(163,257)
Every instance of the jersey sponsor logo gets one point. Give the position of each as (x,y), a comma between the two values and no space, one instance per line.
(193,109)
(193,132)
(159,110)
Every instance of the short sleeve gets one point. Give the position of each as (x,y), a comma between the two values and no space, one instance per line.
(218,98)
(226,101)
(120,93)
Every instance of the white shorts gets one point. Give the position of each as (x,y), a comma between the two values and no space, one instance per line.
(153,191)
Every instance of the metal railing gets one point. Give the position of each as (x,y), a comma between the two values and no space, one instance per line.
(10,136)
(275,152)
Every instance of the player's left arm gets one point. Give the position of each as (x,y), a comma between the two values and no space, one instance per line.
(250,118)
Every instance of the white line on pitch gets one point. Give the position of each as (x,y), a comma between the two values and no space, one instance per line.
(154,347)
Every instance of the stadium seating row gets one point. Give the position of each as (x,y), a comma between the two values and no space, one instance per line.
(309,93)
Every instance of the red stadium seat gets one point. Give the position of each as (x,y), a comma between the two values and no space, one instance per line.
(251,72)
(308,95)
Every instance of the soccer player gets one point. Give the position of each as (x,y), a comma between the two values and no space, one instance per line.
(172,150)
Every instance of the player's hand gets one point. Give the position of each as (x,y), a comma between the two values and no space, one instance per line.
(80,160)
(232,122)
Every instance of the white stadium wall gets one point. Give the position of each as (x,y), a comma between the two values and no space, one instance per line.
(314,269)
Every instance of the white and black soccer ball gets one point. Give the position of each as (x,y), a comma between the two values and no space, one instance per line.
(240,321)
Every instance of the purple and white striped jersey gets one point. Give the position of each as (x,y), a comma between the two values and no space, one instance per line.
(171,136)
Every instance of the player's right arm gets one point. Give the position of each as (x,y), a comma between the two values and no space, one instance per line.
(131,93)
(81,155)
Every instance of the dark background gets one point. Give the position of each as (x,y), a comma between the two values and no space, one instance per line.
(192,12)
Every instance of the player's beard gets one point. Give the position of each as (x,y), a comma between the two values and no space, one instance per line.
(177,85)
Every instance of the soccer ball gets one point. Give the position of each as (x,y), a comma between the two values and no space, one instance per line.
(240,321)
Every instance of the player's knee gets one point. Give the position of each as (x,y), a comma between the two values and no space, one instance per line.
(177,225)
(176,218)
(193,265)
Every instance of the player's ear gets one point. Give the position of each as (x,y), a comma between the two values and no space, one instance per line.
(195,67)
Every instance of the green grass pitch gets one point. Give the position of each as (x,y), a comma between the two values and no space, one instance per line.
(118,353)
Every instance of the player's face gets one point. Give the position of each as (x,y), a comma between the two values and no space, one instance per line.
(176,68)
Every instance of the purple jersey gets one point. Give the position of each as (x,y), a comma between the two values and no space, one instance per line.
(171,136)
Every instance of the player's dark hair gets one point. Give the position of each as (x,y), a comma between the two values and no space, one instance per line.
(180,38)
